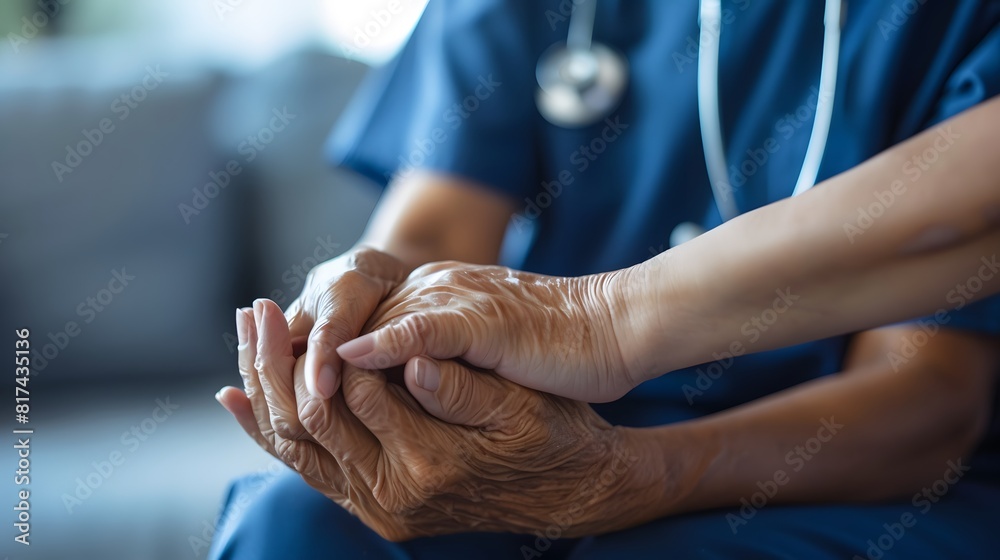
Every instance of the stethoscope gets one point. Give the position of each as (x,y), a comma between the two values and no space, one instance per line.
(582,81)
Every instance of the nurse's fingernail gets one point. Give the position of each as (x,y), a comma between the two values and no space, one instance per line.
(258,311)
(357,348)
(324,383)
(427,374)
(260,318)
(241,327)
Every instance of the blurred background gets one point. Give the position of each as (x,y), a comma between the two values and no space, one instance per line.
(160,164)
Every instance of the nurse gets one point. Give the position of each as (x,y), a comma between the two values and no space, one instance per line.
(452,129)
(935,251)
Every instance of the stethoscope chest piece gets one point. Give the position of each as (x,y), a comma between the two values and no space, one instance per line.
(579,87)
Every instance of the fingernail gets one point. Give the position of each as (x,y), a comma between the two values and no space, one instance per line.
(218,396)
(259,314)
(357,348)
(427,374)
(324,383)
(241,327)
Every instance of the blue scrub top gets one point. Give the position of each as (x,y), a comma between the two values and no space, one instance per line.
(460,99)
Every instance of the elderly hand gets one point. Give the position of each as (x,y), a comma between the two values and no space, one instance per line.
(566,336)
(498,457)
(338,297)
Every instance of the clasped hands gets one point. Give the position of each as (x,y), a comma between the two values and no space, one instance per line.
(444,447)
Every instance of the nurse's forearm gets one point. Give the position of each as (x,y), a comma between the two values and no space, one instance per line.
(912,231)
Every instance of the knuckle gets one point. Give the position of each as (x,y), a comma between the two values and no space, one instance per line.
(250,389)
(315,417)
(375,264)
(315,274)
(261,361)
(412,328)
(328,335)
(245,367)
(463,404)
(431,479)
(402,502)
(362,402)
(289,453)
(271,369)
(351,276)
(397,339)
(362,256)
(366,257)
(434,268)
(426,270)
(286,428)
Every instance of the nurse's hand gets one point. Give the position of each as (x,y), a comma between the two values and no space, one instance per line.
(501,458)
(566,336)
(339,296)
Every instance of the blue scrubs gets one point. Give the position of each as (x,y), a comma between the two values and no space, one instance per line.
(459,99)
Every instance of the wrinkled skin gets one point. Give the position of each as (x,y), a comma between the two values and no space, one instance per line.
(505,458)
(337,299)
(549,333)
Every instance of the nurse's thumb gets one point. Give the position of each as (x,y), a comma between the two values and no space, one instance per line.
(454,393)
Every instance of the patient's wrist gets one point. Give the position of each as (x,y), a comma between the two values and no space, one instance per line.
(653,473)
